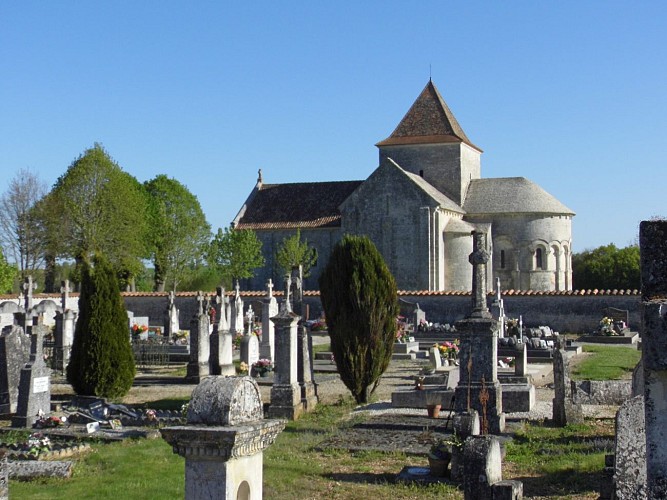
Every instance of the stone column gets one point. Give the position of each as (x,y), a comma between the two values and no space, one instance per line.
(34,385)
(286,392)
(198,367)
(305,369)
(224,440)
(478,386)
(653,249)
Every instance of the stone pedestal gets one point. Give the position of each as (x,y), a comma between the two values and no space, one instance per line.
(64,338)
(482,467)
(267,346)
(478,386)
(224,440)
(286,392)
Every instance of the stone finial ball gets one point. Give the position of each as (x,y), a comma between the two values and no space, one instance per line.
(222,400)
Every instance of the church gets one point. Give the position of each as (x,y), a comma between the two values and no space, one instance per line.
(420,207)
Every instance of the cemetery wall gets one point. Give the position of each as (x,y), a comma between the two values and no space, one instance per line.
(565,312)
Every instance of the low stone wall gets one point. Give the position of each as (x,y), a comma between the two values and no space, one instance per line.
(565,312)
(602,392)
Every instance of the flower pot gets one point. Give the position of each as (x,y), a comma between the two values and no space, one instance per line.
(264,373)
(438,466)
(433,411)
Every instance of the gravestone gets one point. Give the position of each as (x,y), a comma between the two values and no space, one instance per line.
(305,374)
(565,410)
(521,360)
(482,467)
(4,476)
(221,339)
(249,350)
(653,263)
(236,325)
(64,330)
(434,357)
(14,354)
(45,311)
(224,440)
(269,310)
(418,318)
(286,392)
(198,367)
(498,308)
(630,450)
(171,322)
(478,386)
(35,385)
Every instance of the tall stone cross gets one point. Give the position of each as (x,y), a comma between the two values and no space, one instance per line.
(64,290)
(200,301)
(172,297)
(269,286)
(478,258)
(297,290)
(28,287)
(237,288)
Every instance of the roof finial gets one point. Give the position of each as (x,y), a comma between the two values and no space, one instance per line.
(259,176)
(429,73)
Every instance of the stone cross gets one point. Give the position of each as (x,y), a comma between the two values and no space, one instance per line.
(200,301)
(64,290)
(237,289)
(288,289)
(269,286)
(172,297)
(28,287)
(296,294)
(478,258)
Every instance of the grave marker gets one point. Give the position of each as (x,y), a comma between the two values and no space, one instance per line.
(198,367)
(34,385)
(269,310)
(286,392)
(14,354)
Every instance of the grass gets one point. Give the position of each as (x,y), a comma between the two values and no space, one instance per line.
(552,463)
(606,363)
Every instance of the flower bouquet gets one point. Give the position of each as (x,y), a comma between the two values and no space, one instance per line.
(262,367)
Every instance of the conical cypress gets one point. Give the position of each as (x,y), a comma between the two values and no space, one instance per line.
(101,363)
(359,299)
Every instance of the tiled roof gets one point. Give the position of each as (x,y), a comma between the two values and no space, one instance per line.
(303,204)
(510,195)
(428,121)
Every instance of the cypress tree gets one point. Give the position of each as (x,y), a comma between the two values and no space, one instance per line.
(359,299)
(101,363)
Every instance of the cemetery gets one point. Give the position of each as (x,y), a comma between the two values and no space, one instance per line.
(239,395)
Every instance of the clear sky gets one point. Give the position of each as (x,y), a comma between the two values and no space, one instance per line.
(571,95)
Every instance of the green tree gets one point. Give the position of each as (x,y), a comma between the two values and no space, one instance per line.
(606,267)
(8,274)
(235,253)
(359,299)
(180,232)
(102,362)
(101,209)
(294,252)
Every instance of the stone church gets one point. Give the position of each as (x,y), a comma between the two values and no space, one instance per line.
(420,207)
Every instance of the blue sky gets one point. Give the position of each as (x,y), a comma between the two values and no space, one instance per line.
(571,95)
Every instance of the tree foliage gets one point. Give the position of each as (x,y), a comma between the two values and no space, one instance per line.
(235,253)
(7,275)
(102,362)
(180,232)
(19,231)
(606,267)
(359,299)
(101,209)
(294,252)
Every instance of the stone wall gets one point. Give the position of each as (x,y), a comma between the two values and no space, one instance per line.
(573,312)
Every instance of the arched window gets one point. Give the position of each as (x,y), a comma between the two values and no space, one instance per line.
(539,259)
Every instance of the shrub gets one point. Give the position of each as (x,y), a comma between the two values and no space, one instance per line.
(359,299)
(102,363)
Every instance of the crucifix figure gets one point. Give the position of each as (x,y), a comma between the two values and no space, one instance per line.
(250,315)
(288,290)
(200,301)
(64,290)
(478,258)
(28,287)
(238,289)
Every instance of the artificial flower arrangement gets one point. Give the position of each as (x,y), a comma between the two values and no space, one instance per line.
(402,335)
(607,326)
(262,366)
(448,349)
(243,368)
(139,328)
(318,325)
